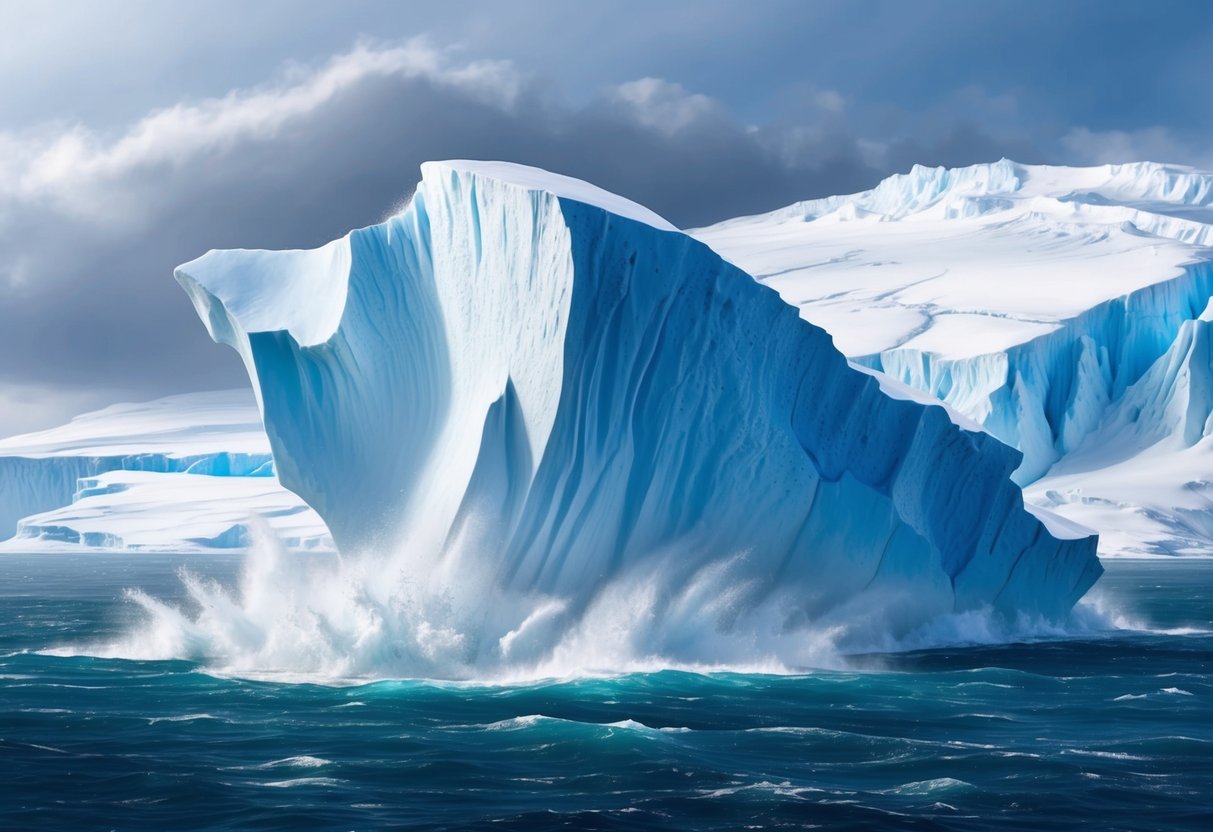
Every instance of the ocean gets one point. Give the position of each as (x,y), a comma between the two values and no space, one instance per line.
(1108,729)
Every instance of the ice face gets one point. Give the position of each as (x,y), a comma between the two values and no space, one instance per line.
(525,385)
(1144,473)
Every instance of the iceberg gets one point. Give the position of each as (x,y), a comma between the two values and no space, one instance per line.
(179,474)
(524,383)
(1038,301)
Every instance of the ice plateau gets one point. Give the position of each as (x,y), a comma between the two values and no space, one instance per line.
(1060,308)
(179,474)
(523,383)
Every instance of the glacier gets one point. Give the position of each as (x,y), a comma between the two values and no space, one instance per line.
(179,474)
(1045,303)
(523,387)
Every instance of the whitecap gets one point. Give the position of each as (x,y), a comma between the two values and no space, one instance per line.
(302,761)
(152,720)
(45,711)
(926,787)
(302,781)
(1106,755)
(517,723)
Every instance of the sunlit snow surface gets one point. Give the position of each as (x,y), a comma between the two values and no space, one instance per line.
(1055,306)
(541,421)
(183,473)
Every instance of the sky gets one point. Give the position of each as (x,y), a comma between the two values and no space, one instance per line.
(136,134)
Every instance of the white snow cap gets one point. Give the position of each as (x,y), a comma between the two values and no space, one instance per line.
(565,187)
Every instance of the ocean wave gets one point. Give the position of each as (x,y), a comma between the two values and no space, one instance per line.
(928,787)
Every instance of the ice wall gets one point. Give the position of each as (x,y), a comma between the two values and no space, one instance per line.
(135,511)
(1143,473)
(1046,395)
(30,485)
(163,475)
(531,377)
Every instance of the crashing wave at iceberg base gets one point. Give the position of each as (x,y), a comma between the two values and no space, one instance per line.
(355,619)
(565,438)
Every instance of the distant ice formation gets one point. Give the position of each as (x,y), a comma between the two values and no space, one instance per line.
(524,387)
(1057,307)
(1145,475)
(179,474)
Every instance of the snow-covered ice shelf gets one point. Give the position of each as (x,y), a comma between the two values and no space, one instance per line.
(1038,301)
(182,473)
(1027,297)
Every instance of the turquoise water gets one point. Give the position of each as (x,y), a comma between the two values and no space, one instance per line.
(1107,731)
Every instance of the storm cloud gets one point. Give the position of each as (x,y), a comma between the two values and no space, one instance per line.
(91,228)
(94,218)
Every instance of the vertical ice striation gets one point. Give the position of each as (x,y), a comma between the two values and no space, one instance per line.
(524,376)
(1144,473)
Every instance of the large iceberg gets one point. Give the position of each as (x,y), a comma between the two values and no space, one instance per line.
(179,474)
(524,382)
(1045,303)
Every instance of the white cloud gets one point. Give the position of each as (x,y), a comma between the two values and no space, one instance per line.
(829,101)
(663,105)
(92,223)
(67,168)
(29,407)
(1150,144)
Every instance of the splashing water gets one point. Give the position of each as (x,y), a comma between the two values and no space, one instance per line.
(361,618)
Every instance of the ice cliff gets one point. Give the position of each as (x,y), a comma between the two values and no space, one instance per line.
(525,377)
(1146,473)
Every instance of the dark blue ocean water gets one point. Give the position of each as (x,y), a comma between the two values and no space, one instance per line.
(1111,731)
